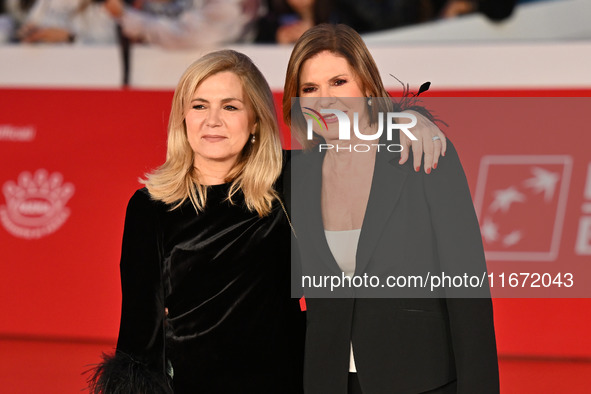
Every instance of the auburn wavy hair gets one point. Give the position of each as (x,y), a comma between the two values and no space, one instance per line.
(340,40)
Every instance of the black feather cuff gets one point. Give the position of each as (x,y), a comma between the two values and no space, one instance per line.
(121,374)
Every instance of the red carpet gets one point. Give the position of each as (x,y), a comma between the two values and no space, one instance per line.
(55,367)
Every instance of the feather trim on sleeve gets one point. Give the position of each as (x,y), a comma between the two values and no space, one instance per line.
(122,374)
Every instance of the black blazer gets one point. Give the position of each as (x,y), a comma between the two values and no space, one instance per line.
(401,344)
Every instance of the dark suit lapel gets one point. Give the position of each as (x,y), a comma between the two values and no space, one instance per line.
(309,220)
(386,187)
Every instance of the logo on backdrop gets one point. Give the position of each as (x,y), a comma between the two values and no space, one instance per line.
(17,133)
(35,204)
(521,204)
(583,243)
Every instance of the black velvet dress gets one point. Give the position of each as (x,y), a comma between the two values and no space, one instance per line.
(223,274)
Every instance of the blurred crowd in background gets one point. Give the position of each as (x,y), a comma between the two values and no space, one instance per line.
(205,23)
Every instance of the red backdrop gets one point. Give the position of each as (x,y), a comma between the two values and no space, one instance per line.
(93,146)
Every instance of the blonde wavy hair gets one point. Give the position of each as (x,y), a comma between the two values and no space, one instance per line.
(258,165)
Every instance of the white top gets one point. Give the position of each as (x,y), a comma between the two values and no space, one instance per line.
(343,246)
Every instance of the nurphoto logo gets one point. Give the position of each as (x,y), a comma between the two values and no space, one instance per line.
(345,129)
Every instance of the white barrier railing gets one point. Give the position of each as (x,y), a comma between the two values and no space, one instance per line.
(468,66)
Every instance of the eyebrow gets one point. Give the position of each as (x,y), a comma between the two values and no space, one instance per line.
(331,79)
(225,100)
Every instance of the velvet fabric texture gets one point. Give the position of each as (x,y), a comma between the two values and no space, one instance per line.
(224,276)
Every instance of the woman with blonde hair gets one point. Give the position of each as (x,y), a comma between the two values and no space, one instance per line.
(358,214)
(205,256)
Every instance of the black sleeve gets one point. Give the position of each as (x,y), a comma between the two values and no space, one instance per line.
(460,250)
(139,363)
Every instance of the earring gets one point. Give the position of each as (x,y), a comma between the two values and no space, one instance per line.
(253,139)
(369,101)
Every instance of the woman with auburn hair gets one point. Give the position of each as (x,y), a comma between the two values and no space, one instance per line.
(358,214)
(342,40)
(205,257)
(205,262)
